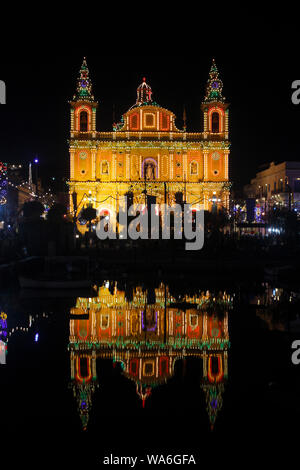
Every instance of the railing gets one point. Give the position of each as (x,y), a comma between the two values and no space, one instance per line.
(147,136)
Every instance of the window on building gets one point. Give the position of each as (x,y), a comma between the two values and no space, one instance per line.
(83,121)
(215,122)
(149,120)
(133,368)
(214,365)
(134,122)
(297,186)
(149,368)
(165,122)
(104,321)
(163,366)
(83,367)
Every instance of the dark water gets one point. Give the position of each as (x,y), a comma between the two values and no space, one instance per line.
(178,369)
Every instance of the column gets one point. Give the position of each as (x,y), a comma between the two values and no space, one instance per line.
(93,163)
(72,122)
(205,124)
(204,335)
(205,172)
(226,124)
(226,169)
(127,170)
(113,164)
(185,173)
(94,119)
(171,158)
(72,164)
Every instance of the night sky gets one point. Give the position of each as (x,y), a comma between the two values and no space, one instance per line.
(257,65)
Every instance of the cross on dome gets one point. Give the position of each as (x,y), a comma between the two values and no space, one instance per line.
(144,93)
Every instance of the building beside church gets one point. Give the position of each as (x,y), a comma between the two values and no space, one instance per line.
(277,184)
(146,155)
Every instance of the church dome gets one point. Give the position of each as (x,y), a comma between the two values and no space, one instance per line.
(144,95)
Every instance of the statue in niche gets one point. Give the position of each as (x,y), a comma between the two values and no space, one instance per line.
(149,171)
(105,168)
(149,319)
(193,168)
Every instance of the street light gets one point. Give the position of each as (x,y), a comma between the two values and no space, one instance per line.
(36,161)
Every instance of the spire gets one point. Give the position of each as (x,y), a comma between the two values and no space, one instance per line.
(184,118)
(214,401)
(84,84)
(214,85)
(83,393)
(143,391)
(144,94)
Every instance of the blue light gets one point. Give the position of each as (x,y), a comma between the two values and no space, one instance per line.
(36,338)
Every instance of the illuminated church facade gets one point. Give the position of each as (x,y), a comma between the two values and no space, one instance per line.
(146,154)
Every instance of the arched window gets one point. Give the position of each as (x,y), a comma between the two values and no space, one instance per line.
(83,367)
(215,365)
(163,365)
(164,122)
(83,121)
(215,122)
(149,120)
(134,122)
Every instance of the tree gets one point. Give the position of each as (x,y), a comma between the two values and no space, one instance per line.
(216,220)
(285,219)
(57,212)
(60,233)
(33,209)
(32,231)
(89,214)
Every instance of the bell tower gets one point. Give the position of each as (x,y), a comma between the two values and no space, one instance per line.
(83,106)
(214,107)
(82,145)
(215,143)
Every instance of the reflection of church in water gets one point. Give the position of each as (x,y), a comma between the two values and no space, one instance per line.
(147,339)
(146,154)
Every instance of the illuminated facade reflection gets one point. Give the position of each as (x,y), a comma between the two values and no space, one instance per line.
(147,338)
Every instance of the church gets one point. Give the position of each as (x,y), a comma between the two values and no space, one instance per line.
(146,157)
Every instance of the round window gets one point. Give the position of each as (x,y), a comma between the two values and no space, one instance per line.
(83,155)
(215,156)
